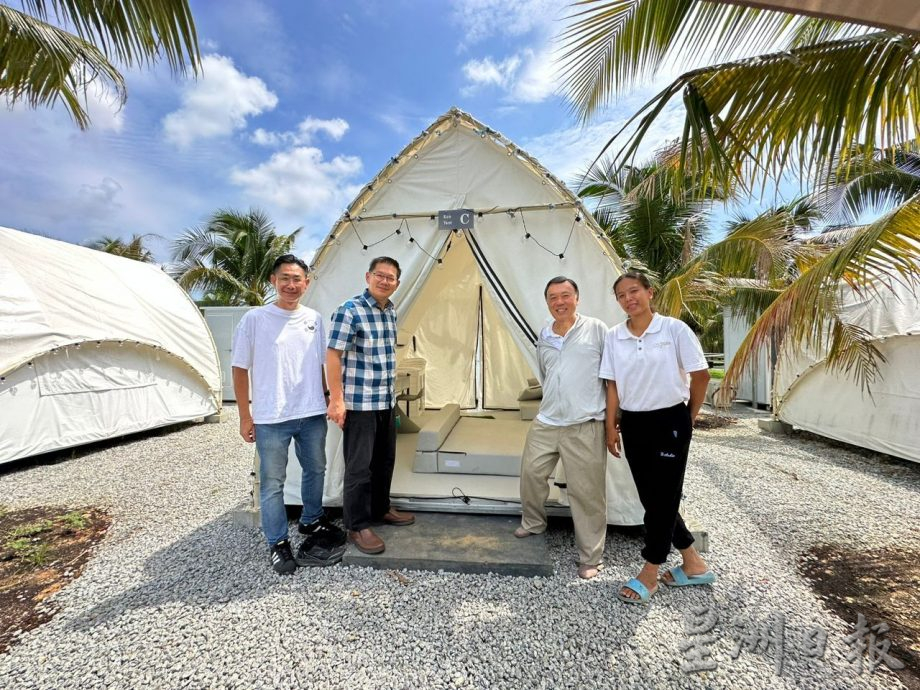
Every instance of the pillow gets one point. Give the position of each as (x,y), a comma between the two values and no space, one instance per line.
(531,393)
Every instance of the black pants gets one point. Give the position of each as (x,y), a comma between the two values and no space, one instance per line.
(370,454)
(656,444)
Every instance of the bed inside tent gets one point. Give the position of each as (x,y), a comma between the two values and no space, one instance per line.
(470,307)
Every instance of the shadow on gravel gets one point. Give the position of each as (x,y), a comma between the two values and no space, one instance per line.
(65,454)
(881,584)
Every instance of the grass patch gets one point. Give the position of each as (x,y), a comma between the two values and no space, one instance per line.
(31,529)
(717,374)
(41,550)
(74,520)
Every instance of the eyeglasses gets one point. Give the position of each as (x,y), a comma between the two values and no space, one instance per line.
(385,278)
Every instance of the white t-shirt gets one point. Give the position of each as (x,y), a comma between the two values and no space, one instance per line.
(284,352)
(651,370)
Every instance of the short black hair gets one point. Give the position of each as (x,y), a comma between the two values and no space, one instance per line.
(385,260)
(557,281)
(289,259)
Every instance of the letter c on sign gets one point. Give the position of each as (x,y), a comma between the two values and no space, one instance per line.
(464,218)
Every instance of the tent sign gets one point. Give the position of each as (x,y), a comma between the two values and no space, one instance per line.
(457,219)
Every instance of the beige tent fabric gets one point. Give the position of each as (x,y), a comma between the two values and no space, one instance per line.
(900,15)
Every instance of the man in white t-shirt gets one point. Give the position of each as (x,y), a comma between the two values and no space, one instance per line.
(281,348)
(569,426)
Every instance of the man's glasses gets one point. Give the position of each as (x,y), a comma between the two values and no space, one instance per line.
(384,278)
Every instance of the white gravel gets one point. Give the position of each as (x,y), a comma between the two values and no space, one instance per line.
(179,596)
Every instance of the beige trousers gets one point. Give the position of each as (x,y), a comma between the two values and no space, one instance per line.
(583,451)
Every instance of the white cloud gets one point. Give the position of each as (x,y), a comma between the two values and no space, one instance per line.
(301,182)
(480,19)
(526,77)
(487,72)
(217,104)
(567,152)
(335,129)
(103,108)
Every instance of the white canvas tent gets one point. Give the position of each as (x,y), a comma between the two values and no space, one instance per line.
(94,346)
(470,302)
(809,396)
(900,15)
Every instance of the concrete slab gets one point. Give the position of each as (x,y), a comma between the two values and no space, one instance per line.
(774,426)
(460,544)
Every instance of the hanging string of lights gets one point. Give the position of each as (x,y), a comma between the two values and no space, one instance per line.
(528,236)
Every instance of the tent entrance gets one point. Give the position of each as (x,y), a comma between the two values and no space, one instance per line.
(454,325)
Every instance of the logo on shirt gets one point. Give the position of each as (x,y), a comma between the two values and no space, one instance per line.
(667,455)
(311,326)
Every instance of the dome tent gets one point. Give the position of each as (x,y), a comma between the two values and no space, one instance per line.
(94,346)
(808,395)
(470,301)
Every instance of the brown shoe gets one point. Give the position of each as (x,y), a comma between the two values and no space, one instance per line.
(397,518)
(522,533)
(366,541)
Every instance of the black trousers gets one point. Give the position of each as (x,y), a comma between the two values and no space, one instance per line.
(656,444)
(370,454)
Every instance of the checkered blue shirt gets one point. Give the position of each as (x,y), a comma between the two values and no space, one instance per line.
(366,334)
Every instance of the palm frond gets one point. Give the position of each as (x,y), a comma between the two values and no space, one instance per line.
(805,315)
(755,118)
(132,32)
(873,182)
(611,44)
(41,65)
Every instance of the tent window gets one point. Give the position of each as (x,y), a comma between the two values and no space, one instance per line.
(93,369)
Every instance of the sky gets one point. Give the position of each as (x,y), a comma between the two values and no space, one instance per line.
(300,103)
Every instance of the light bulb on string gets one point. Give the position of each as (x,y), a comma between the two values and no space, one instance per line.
(440,265)
(364,249)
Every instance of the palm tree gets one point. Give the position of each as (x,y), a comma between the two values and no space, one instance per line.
(810,96)
(42,64)
(824,88)
(882,180)
(229,258)
(644,222)
(132,249)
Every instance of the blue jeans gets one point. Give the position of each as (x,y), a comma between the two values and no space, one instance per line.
(272,443)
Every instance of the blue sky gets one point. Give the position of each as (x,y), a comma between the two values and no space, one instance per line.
(300,104)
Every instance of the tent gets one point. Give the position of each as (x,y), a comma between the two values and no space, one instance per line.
(470,307)
(809,396)
(900,15)
(94,346)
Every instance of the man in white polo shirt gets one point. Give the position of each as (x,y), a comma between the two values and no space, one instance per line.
(281,347)
(569,426)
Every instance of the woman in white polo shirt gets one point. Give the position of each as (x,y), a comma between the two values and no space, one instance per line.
(650,414)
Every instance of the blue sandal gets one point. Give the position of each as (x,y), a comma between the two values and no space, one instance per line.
(680,579)
(640,589)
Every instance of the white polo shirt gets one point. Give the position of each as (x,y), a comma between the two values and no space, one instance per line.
(651,370)
(573,392)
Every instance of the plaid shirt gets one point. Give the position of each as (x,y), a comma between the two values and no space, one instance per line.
(366,334)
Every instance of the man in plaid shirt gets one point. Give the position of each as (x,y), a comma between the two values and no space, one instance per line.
(361,372)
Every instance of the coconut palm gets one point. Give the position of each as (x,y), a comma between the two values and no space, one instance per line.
(643,221)
(880,181)
(42,64)
(229,258)
(808,96)
(132,249)
(803,90)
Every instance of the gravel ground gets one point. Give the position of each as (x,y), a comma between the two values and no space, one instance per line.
(180,596)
